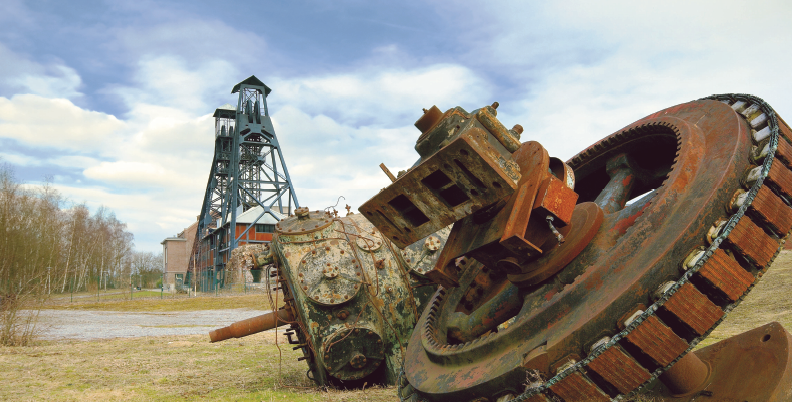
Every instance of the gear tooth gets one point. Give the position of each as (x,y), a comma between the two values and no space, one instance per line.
(693,308)
(619,369)
(725,274)
(749,240)
(657,341)
(577,387)
(780,178)
(771,210)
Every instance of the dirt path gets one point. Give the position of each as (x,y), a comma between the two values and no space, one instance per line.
(87,325)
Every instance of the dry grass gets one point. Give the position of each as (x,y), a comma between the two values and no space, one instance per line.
(257,301)
(190,368)
(165,368)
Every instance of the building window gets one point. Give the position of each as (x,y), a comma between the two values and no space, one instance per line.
(265,228)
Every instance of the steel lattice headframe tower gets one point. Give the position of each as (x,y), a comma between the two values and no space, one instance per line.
(248,171)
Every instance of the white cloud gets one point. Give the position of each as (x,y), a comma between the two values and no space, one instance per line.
(37,121)
(380,95)
(583,70)
(170,81)
(18,74)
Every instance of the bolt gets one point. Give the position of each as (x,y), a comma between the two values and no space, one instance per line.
(517,129)
(302,212)
(495,105)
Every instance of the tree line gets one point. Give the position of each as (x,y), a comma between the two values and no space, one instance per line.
(48,245)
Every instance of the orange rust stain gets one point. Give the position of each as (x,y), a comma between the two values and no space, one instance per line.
(550,294)
(595,283)
(625,223)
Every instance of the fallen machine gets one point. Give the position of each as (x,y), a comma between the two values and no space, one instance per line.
(351,297)
(593,279)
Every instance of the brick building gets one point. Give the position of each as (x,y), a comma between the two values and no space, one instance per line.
(176,256)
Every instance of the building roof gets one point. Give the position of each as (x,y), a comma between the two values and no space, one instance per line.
(251,214)
(226,111)
(253,81)
(173,239)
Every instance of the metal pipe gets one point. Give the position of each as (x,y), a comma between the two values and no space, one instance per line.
(252,326)
(687,375)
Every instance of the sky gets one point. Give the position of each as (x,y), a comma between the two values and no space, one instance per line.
(112,100)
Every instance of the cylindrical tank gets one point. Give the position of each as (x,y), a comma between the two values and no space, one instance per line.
(354,295)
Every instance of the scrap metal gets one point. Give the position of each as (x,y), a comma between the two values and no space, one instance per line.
(352,298)
(592,278)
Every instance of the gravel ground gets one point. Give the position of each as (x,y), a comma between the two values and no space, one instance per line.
(86,325)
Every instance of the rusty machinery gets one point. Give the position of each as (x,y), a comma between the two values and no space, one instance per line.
(351,297)
(595,278)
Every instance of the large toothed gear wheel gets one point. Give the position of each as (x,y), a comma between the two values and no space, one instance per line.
(696,207)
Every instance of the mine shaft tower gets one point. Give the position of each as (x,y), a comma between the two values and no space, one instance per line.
(248,171)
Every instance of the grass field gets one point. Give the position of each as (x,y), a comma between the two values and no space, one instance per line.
(253,368)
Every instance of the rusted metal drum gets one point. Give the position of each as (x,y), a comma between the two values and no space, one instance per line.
(692,204)
(353,295)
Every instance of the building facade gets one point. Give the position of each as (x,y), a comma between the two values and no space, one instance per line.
(176,257)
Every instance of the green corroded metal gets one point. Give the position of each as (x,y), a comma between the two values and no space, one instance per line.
(355,296)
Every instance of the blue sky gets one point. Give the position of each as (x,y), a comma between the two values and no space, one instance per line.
(113,100)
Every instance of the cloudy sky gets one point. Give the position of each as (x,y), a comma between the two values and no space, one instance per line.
(113,99)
